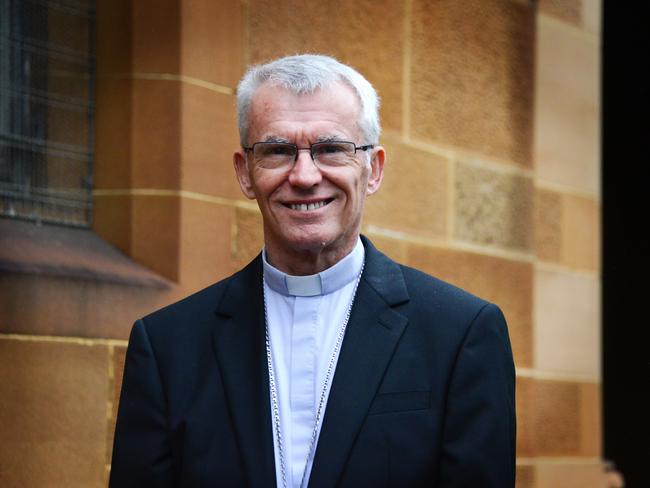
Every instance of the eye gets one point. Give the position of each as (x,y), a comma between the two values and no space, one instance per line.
(331,148)
(273,149)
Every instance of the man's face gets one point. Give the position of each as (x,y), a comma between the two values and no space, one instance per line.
(335,195)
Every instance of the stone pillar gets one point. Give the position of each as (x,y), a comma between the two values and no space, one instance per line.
(165,191)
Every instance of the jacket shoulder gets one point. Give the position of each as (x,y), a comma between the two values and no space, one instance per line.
(195,312)
(421,285)
(202,301)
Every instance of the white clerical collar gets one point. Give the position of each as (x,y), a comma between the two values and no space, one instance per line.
(327,281)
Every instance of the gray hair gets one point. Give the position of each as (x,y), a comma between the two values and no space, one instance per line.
(305,73)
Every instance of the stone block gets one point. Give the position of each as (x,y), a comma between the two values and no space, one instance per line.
(205,243)
(580,232)
(566,419)
(548,225)
(558,418)
(113,36)
(212,40)
(567,118)
(272,31)
(570,475)
(472,76)
(493,208)
(248,237)
(112,166)
(208,140)
(53,413)
(569,11)
(591,420)
(505,282)
(592,16)
(155,233)
(525,477)
(557,423)
(58,306)
(112,220)
(567,323)
(156,35)
(413,195)
(156,134)
(567,229)
(367,34)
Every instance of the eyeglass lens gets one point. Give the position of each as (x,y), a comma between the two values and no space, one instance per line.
(274,155)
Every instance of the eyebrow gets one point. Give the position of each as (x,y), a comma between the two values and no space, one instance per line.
(328,138)
(273,138)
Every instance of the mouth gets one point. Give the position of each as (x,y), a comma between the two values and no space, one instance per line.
(308,206)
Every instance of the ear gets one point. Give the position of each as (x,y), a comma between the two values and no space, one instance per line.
(243,175)
(376,170)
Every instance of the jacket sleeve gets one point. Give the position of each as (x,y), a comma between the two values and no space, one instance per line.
(479,437)
(141,449)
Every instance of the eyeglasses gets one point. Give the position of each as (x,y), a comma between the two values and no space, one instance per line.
(283,155)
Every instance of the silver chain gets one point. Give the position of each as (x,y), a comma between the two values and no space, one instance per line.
(321,403)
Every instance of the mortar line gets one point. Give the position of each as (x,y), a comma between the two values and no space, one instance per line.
(189,80)
(191,195)
(561,268)
(452,245)
(460,154)
(579,32)
(82,341)
(539,374)
(546,460)
(566,190)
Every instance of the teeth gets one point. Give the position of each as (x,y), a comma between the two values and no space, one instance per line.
(303,207)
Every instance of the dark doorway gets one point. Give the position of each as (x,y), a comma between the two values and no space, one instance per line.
(626,288)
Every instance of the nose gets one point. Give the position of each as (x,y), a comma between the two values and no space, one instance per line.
(304,172)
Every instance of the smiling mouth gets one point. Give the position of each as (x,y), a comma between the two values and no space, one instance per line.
(305,207)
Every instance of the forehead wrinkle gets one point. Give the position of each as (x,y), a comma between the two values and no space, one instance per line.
(283,116)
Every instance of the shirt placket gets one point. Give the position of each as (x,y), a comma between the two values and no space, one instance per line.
(303,380)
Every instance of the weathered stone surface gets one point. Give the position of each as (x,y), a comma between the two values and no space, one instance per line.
(567,115)
(413,195)
(472,76)
(567,323)
(366,34)
(493,208)
(53,409)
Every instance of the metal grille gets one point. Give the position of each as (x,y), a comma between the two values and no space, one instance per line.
(46,109)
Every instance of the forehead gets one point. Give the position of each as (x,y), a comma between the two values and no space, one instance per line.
(278,112)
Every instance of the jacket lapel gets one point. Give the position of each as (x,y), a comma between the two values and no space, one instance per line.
(239,343)
(372,335)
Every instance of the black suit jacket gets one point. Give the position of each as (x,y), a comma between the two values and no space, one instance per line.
(423,393)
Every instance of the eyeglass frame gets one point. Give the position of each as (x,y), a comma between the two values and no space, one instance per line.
(365,147)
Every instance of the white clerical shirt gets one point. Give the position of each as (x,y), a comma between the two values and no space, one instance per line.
(305,315)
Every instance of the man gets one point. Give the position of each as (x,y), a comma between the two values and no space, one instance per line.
(323,362)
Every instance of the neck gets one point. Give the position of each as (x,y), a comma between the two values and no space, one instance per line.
(304,262)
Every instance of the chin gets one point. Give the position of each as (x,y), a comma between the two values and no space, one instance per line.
(308,243)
